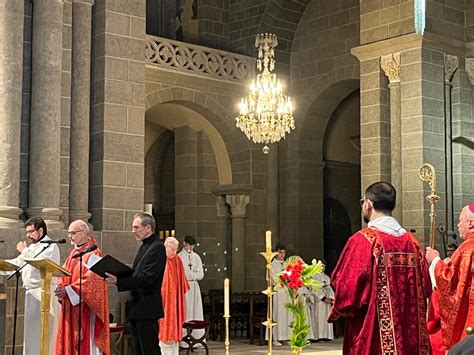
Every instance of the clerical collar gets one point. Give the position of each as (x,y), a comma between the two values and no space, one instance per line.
(81,245)
(149,239)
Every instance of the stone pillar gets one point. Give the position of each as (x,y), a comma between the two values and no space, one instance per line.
(238,205)
(374,123)
(222,251)
(44,183)
(451,64)
(80,110)
(391,67)
(11,70)
(272,195)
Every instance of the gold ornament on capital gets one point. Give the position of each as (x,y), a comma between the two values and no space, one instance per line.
(266,113)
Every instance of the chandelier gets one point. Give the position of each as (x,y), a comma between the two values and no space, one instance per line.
(266,113)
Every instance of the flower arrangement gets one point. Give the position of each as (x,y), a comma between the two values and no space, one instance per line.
(298,274)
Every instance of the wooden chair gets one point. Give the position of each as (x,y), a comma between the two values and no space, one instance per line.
(190,339)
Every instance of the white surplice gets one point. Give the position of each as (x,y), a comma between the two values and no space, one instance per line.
(281,315)
(192,265)
(32,283)
(319,310)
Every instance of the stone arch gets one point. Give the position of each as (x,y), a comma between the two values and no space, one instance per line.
(204,114)
(325,96)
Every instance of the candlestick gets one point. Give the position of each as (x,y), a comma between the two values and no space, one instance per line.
(268,240)
(269,255)
(226,315)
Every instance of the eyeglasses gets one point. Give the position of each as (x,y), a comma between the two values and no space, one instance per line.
(135,228)
(74,232)
(31,231)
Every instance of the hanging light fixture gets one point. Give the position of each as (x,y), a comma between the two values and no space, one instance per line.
(266,114)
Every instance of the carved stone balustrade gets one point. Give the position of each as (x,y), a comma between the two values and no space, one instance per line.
(198,60)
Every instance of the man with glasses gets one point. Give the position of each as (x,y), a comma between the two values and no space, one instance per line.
(36,231)
(381,283)
(144,305)
(94,298)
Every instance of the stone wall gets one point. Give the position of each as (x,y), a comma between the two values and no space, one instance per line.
(380,20)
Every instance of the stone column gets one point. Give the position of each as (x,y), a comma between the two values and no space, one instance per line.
(80,110)
(391,67)
(451,64)
(238,205)
(11,70)
(44,183)
(272,195)
(222,251)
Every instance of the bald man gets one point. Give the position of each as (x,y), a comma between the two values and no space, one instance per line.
(94,298)
(453,281)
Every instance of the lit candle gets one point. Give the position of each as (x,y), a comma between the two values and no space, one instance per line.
(172,232)
(226,298)
(268,239)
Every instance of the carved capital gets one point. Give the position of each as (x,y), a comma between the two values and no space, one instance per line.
(470,69)
(451,64)
(221,207)
(238,204)
(390,64)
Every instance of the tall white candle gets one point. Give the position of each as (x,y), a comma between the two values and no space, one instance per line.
(226,298)
(268,239)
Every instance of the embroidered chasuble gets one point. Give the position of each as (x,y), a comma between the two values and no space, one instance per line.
(454,282)
(173,292)
(95,306)
(381,284)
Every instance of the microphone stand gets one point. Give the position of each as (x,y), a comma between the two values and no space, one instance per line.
(15,308)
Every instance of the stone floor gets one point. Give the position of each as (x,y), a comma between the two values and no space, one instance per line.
(242,347)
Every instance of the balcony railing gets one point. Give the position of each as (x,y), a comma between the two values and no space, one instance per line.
(198,60)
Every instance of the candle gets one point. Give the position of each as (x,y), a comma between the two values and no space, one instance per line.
(268,239)
(161,235)
(172,232)
(167,233)
(226,298)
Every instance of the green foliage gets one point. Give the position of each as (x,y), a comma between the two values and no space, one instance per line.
(295,267)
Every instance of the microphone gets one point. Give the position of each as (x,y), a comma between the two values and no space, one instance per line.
(60,241)
(85,251)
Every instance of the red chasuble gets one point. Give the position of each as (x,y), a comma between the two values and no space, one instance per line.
(434,325)
(94,297)
(173,289)
(381,284)
(455,286)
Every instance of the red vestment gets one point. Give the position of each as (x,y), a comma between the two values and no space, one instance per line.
(173,289)
(434,325)
(94,297)
(455,285)
(381,285)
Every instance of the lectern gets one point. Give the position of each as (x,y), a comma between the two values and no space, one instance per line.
(6,266)
(48,270)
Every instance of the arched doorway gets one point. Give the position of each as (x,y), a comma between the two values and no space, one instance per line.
(341,177)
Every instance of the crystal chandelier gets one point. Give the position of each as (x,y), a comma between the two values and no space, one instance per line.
(266,113)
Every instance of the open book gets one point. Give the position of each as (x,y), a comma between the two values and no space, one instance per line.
(110,265)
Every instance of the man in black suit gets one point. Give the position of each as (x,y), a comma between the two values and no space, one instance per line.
(144,305)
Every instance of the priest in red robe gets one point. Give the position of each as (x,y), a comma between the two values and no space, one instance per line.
(381,283)
(454,282)
(173,290)
(95,300)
